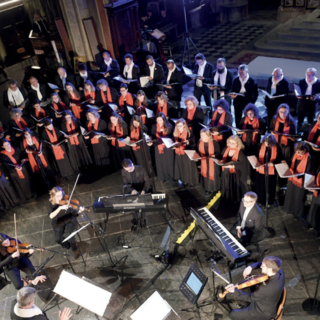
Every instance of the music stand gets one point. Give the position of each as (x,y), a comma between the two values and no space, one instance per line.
(155,308)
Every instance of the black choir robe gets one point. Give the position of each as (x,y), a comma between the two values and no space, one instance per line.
(158,77)
(314,212)
(234,185)
(70,78)
(99,101)
(23,187)
(227,87)
(314,154)
(78,154)
(164,161)
(8,196)
(101,150)
(175,93)
(80,80)
(114,70)
(224,130)
(207,183)
(170,110)
(6,99)
(62,166)
(194,125)
(295,196)
(133,86)
(33,94)
(272,105)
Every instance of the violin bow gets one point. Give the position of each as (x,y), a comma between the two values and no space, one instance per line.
(15,229)
(74,187)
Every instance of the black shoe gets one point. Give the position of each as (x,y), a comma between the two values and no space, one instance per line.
(135,225)
(143,223)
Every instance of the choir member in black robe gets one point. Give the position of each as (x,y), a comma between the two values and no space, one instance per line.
(194,115)
(164,157)
(15,97)
(210,171)
(58,108)
(314,137)
(57,154)
(8,197)
(313,218)
(126,100)
(78,152)
(271,152)
(246,85)
(234,174)
(110,67)
(104,96)
(17,124)
(118,130)
(74,101)
(99,144)
(185,170)
(83,76)
(308,102)
(221,81)
(37,90)
(62,78)
(220,121)
(131,72)
(141,104)
(89,93)
(282,122)
(40,113)
(296,193)
(5,132)
(277,85)
(174,76)
(12,158)
(42,175)
(163,105)
(155,73)
(63,219)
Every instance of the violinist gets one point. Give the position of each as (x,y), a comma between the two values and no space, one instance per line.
(13,263)
(264,300)
(63,218)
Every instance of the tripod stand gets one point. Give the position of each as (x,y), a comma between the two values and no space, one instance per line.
(186,38)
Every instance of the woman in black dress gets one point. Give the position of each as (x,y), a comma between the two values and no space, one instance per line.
(141,104)
(164,157)
(99,144)
(163,105)
(58,108)
(234,174)
(296,194)
(271,152)
(74,99)
(185,169)
(210,171)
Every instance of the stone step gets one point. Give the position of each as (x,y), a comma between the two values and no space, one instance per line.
(287,34)
(304,43)
(313,22)
(305,29)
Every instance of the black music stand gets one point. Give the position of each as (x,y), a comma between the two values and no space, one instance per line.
(311,306)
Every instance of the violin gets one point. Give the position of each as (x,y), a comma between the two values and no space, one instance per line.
(75,204)
(251,281)
(22,247)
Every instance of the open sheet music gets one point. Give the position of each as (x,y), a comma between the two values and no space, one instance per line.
(150,113)
(54,87)
(220,163)
(285,172)
(310,182)
(168,142)
(20,165)
(114,107)
(285,134)
(94,107)
(271,96)
(156,33)
(193,155)
(131,110)
(124,80)
(129,142)
(144,81)
(189,73)
(241,130)
(41,120)
(54,144)
(236,93)
(57,112)
(254,162)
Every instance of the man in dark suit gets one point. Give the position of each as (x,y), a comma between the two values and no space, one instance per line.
(14,97)
(37,90)
(265,298)
(204,71)
(84,75)
(110,67)
(247,86)
(136,181)
(63,77)
(308,104)
(223,78)
(174,75)
(155,73)
(130,72)
(250,223)
(277,85)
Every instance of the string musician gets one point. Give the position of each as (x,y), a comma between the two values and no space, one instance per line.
(264,300)
(63,219)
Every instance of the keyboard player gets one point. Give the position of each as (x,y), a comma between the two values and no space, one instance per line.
(136,181)
(250,224)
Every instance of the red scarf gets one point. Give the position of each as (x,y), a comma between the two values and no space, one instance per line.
(312,134)
(118,133)
(104,98)
(72,130)
(32,160)
(160,134)
(91,95)
(62,105)
(218,138)
(317,181)
(76,109)
(58,152)
(234,158)
(134,136)
(204,168)
(183,137)
(255,125)
(21,124)
(301,168)
(190,116)
(164,109)
(286,130)
(129,100)
(142,110)
(14,161)
(262,154)
(40,114)
(95,127)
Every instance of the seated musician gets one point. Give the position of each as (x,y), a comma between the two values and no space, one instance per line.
(265,299)
(63,220)
(135,180)
(249,226)
(16,262)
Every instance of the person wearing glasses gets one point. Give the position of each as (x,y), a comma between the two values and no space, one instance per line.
(250,224)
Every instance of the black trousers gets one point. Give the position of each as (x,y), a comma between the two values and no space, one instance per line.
(306,107)
(13,274)
(245,314)
(66,229)
(238,110)
(201,91)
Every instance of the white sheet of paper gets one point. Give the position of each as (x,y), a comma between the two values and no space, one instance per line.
(201,124)
(144,81)
(113,106)
(193,155)
(83,130)
(131,110)
(167,142)
(297,90)
(174,120)
(124,80)
(309,182)
(82,293)
(284,171)
(254,162)
(154,308)
(150,113)
(45,103)
(157,34)
(53,86)
(189,73)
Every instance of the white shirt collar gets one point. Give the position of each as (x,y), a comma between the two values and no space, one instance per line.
(108,63)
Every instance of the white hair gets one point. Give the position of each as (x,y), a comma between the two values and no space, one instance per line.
(277,69)
(313,70)
(243,67)
(25,295)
